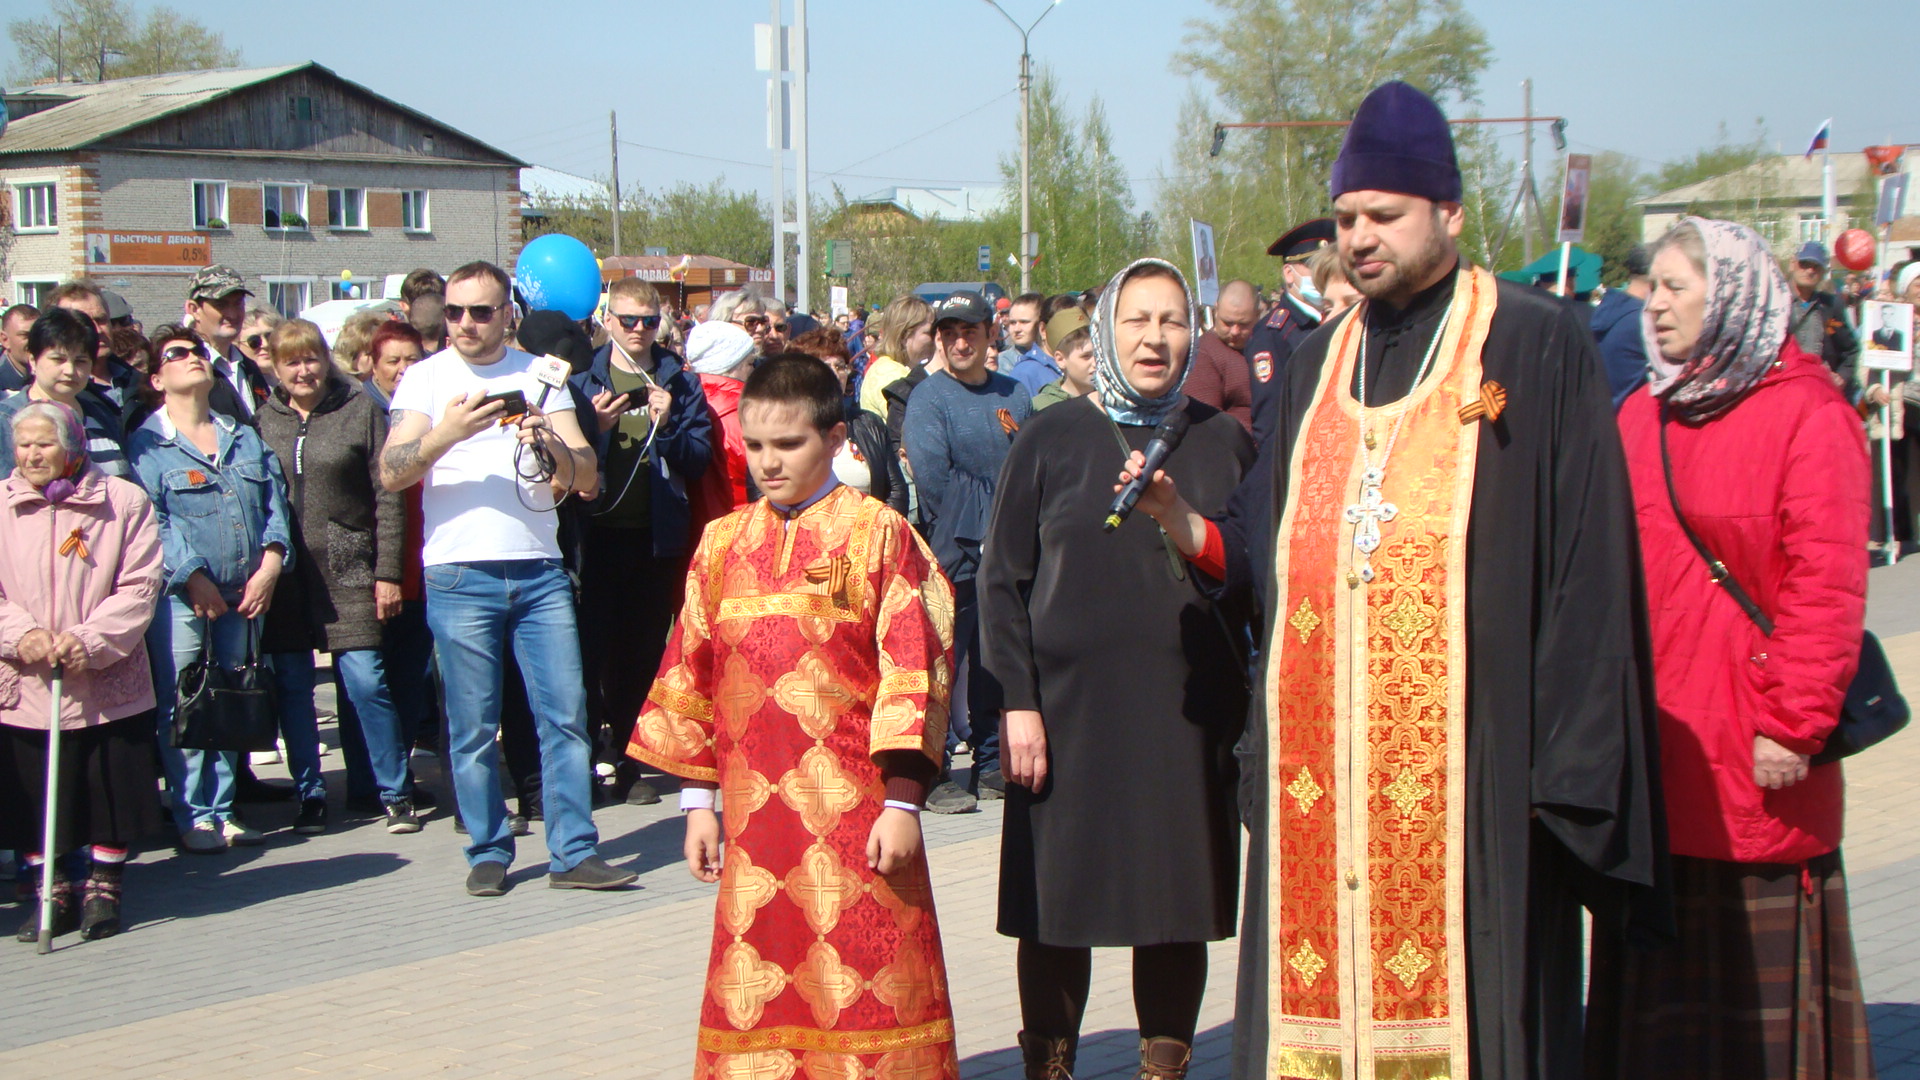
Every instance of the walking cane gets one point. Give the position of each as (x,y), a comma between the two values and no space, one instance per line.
(47,857)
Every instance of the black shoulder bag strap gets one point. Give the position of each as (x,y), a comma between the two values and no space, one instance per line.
(1721,576)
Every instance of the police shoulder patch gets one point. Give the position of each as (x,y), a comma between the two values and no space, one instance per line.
(1263,366)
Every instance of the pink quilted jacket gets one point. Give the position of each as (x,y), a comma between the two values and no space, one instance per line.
(108,583)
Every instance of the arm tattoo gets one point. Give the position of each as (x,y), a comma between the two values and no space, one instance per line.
(402,458)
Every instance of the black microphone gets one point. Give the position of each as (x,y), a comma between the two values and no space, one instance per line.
(1165,439)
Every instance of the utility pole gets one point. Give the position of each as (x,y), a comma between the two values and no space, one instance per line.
(777,135)
(1029,243)
(613,140)
(802,63)
(1526,173)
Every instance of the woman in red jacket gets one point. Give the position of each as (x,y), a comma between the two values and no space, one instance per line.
(722,355)
(1769,468)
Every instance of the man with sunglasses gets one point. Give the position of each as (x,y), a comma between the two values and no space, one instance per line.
(217,306)
(493,574)
(654,437)
(778,325)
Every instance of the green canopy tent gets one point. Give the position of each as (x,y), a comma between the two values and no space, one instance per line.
(1585,266)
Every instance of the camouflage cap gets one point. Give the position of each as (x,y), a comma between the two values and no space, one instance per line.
(214,282)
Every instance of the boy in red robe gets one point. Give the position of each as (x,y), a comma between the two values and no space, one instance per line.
(807,681)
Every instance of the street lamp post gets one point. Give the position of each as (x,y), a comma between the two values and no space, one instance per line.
(1026,147)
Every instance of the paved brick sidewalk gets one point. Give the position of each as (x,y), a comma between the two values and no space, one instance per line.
(356,953)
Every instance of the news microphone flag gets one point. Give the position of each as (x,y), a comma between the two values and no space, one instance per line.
(1820,139)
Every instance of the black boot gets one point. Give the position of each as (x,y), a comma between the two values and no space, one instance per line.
(100,902)
(66,918)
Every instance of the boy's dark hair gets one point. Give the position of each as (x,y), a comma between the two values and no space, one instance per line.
(63,326)
(793,378)
(420,283)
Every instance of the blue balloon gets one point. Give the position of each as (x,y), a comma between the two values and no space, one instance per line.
(558,273)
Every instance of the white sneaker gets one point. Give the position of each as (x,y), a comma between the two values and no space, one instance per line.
(265,757)
(204,838)
(235,832)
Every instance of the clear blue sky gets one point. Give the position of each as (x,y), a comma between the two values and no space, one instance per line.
(1650,78)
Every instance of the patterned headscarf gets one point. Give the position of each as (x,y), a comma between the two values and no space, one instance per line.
(1117,396)
(1749,306)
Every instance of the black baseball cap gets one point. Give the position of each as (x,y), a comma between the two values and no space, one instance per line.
(965,306)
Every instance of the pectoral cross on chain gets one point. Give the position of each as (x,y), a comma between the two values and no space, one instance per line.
(1367,516)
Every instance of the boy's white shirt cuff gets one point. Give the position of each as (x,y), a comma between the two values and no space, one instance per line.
(898,805)
(697,798)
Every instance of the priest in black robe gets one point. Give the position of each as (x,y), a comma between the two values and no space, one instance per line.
(1555,798)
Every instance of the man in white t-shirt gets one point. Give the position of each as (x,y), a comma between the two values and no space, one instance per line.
(493,572)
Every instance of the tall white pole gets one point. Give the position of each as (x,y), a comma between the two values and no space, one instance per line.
(802,63)
(1826,192)
(1026,168)
(777,114)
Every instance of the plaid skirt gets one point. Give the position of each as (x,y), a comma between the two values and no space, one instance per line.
(1762,984)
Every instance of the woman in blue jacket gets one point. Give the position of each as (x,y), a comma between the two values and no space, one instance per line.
(221,499)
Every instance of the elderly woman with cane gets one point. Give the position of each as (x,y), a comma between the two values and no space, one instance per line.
(80,570)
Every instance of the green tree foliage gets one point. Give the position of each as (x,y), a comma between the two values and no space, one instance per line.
(1302,60)
(105,39)
(1724,155)
(687,218)
(1082,206)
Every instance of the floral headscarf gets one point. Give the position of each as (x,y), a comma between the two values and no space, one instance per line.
(1117,396)
(1749,306)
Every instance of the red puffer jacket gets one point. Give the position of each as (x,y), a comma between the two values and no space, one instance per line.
(1777,488)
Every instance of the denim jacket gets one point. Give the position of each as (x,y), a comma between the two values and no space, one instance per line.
(216,515)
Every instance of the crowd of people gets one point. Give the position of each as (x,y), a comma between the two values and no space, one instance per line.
(1416,600)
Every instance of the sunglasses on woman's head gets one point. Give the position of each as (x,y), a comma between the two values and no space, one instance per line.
(628,322)
(482,313)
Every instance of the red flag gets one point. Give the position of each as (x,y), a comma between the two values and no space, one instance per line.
(1884,160)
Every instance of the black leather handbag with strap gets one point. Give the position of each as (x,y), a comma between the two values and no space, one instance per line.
(1874,708)
(221,708)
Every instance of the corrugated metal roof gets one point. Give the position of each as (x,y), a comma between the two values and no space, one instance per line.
(95,111)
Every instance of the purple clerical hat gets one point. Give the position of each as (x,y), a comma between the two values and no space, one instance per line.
(1399,141)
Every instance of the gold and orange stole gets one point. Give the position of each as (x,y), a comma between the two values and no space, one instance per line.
(804,649)
(1366,728)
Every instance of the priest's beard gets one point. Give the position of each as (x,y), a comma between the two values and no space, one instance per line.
(1407,274)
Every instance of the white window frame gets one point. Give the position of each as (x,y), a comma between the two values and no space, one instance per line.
(1813,227)
(339,195)
(33,290)
(282,281)
(284,186)
(423,211)
(218,187)
(20,188)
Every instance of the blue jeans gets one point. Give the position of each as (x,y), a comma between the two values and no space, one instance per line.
(373,739)
(299,725)
(477,610)
(200,782)
(973,713)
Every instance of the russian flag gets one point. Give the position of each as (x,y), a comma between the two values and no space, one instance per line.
(1820,139)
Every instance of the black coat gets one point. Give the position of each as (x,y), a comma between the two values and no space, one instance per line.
(348,529)
(1135,675)
(882,451)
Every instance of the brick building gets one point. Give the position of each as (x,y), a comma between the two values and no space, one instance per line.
(290,175)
